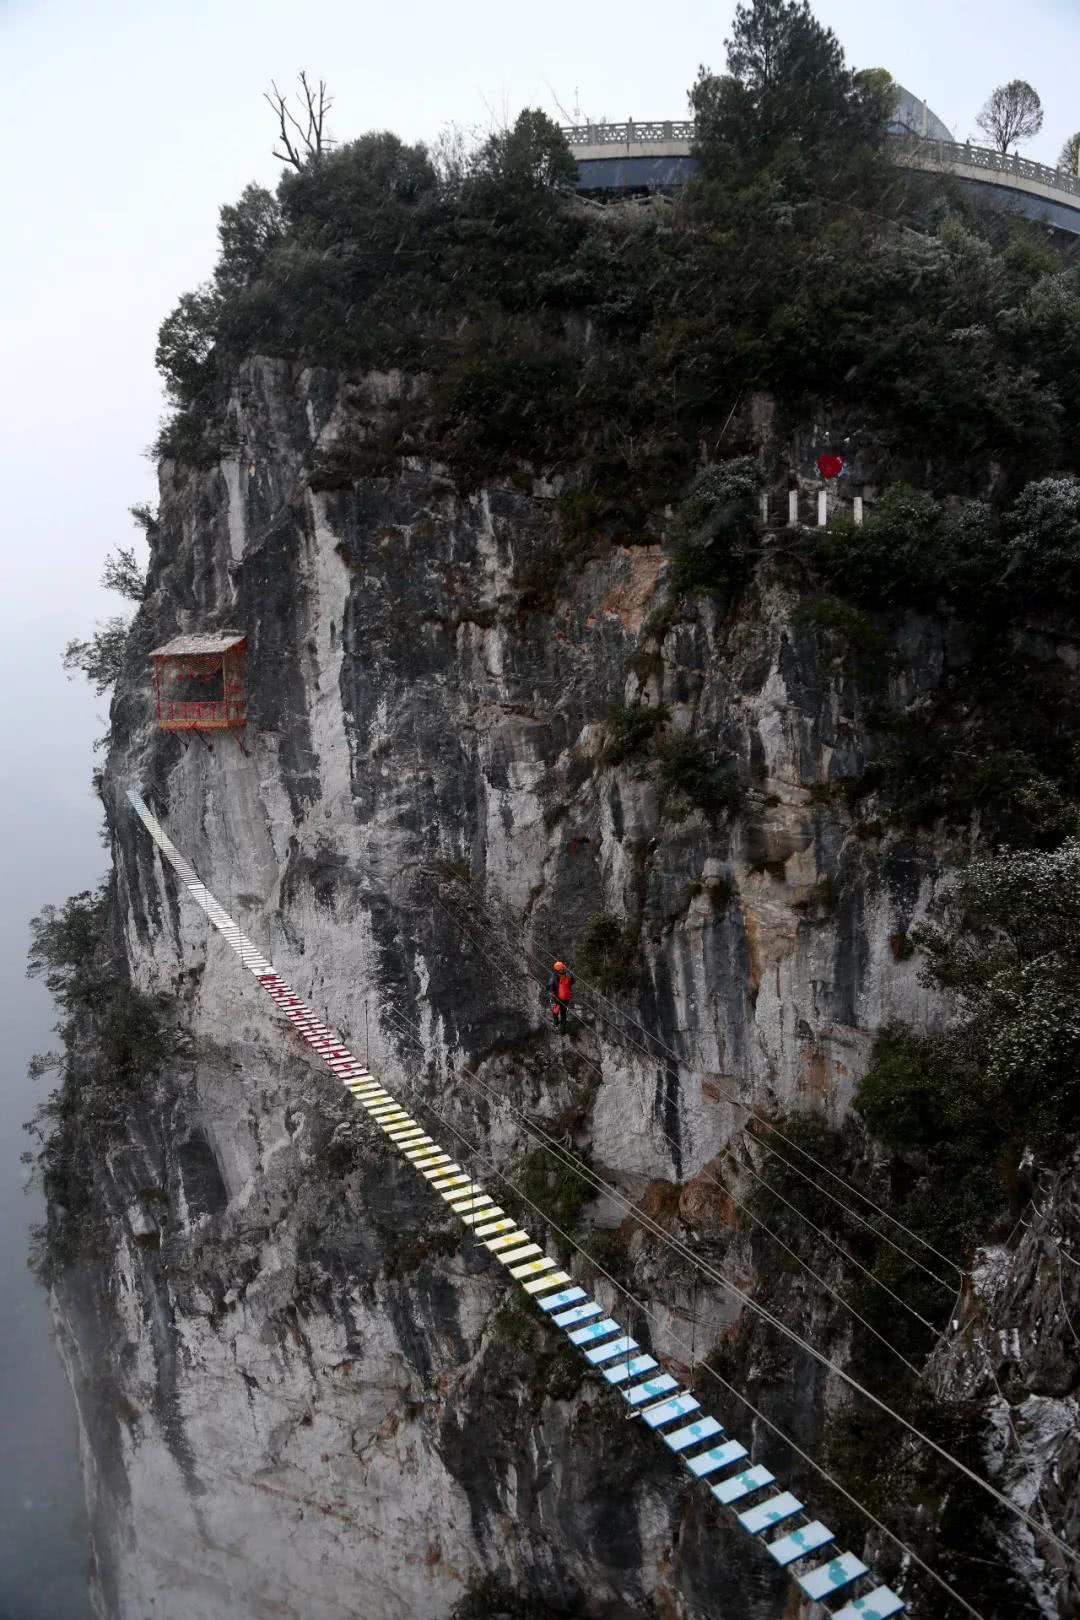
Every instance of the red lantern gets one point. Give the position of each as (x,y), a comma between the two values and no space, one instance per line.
(830,466)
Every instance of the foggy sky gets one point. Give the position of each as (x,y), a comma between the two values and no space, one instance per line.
(52,850)
(126,124)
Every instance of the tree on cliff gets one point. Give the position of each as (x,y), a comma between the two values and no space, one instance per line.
(123,574)
(247,230)
(1013,113)
(787,84)
(101,658)
(304,142)
(1069,159)
(185,338)
(532,153)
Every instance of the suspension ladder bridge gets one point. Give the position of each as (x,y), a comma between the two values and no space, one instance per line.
(759,1505)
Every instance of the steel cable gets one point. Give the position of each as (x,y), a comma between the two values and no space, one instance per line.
(684,1252)
(759,1119)
(650,1315)
(800,1214)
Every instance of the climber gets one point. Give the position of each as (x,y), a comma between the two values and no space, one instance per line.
(560,989)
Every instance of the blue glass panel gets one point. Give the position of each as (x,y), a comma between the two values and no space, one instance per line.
(625,1370)
(740,1485)
(595,1330)
(880,1604)
(580,1313)
(703,1429)
(832,1576)
(773,1511)
(617,1347)
(655,1415)
(719,1457)
(555,1302)
(800,1542)
(650,1390)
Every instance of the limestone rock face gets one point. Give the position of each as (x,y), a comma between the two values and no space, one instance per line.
(301,1392)
(1015,1352)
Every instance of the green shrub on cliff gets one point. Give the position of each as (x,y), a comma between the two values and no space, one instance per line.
(844,630)
(631,729)
(115,1038)
(1042,559)
(913,550)
(953,336)
(918,551)
(555,1187)
(997,747)
(101,657)
(531,156)
(502,401)
(1005,1076)
(716,527)
(695,777)
(608,954)
(63,940)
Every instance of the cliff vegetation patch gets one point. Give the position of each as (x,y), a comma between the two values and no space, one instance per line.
(613,346)
(115,1039)
(608,953)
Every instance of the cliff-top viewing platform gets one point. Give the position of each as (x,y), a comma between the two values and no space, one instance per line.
(658,155)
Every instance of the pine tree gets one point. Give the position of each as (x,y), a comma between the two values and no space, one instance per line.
(787,84)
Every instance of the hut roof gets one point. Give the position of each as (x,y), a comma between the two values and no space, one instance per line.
(217,641)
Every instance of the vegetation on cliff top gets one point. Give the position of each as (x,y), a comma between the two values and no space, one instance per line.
(614,344)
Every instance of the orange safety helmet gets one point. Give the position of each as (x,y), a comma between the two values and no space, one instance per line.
(558,967)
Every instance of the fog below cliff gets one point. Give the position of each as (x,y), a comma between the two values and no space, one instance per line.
(50,840)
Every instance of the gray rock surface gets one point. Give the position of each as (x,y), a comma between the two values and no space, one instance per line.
(299,1392)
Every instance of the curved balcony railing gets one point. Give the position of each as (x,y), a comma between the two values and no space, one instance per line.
(960,155)
(920,151)
(630,133)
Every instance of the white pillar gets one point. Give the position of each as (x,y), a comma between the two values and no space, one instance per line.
(858,510)
(822,508)
(793,507)
(765,506)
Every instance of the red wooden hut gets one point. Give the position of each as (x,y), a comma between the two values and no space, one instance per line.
(199,682)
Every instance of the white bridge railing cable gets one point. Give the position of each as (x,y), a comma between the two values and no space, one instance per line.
(751,1492)
(919,150)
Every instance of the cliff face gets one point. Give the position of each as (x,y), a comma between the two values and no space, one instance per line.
(298,1392)
(1015,1355)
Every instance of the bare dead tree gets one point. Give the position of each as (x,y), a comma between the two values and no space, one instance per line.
(1013,113)
(308,140)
